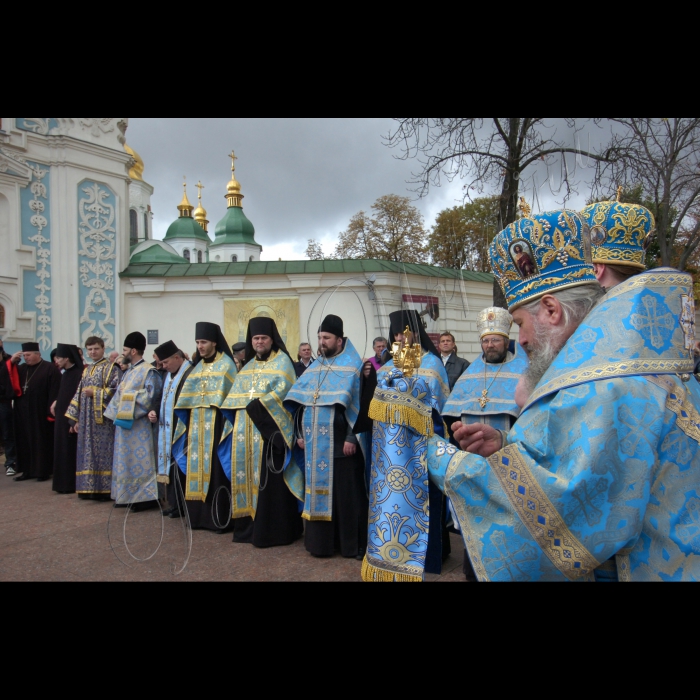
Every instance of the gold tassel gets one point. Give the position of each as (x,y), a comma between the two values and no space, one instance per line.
(406,416)
(371,574)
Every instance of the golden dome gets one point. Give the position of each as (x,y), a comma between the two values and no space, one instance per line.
(233,189)
(200,213)
(136,171)
(185,207)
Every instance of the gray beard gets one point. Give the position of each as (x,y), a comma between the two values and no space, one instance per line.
(541,356)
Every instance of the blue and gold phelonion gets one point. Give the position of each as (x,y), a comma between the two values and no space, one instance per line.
(619,233)
(541,254)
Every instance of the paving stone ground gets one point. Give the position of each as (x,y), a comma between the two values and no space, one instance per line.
(48,537)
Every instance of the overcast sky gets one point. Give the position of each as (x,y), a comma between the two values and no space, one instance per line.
(302,178)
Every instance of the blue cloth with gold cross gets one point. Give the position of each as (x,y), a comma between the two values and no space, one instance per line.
(602,467)
(329,385)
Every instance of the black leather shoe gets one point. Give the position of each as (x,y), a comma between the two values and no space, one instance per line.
(175,514)
(167,513)
(43,479)
(21,478)
(360,555)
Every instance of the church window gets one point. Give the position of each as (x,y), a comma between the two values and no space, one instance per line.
(186,254)
(145,225)
(234,258)
(133,227)
(250,259)
(200,257)
(2,316)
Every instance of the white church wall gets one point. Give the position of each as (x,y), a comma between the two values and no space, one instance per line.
(61,273)
(174,305)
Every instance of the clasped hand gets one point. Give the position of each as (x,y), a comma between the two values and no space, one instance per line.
(478,439)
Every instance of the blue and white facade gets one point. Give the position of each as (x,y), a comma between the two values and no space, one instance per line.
(64,228)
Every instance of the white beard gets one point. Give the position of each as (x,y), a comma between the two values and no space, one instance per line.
(541,356)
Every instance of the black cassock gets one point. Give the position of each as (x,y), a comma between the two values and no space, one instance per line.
(34,427)
(347,531)
(65,442)
(277,519)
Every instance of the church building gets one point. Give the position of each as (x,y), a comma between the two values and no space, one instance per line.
(78,258)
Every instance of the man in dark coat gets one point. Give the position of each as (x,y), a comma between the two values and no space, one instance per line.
(69,361)
(39,382)
(454,366)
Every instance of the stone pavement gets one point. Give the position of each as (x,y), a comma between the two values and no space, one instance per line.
(48,537)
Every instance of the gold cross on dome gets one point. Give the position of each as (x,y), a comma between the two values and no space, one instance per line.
(200,187)
(233,158)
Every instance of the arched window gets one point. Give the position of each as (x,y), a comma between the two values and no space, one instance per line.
(2,316)
(133,226)
(234,258)
(250,259)
(145,225)
(200,257)
(186,254)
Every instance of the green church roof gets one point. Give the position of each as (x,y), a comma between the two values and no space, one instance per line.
(301,267)
(235,228)
(152,252)
(186,227)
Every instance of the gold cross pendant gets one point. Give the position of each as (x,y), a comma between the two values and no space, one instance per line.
(316,395)
(484,400)
(252,391)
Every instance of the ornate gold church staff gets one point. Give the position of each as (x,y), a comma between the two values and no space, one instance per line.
(407,354)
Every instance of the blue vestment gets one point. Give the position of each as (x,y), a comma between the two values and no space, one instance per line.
(135,463)
(167,421)
(602,468)
(406,412)
(327,386)
(499,381)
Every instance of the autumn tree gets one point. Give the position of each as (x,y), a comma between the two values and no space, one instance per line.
(663,155)
(395,231)
(314,251)
(490,153)
(461,235)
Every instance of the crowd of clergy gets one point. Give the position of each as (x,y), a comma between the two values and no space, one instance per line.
(569,455)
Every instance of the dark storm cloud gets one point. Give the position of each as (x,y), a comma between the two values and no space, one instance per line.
(302,178)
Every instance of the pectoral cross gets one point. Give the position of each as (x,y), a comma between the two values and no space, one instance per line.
(317,393)
(484,399)
(252,391)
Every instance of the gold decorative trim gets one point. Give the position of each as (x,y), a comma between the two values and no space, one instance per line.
(624,569)
(623,368)
(616,256)
(373,574)
(679,403)
(540,516)
(660,277)
(550,290)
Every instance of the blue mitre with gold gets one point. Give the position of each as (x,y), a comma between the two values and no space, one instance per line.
(620,232)
(541,254)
